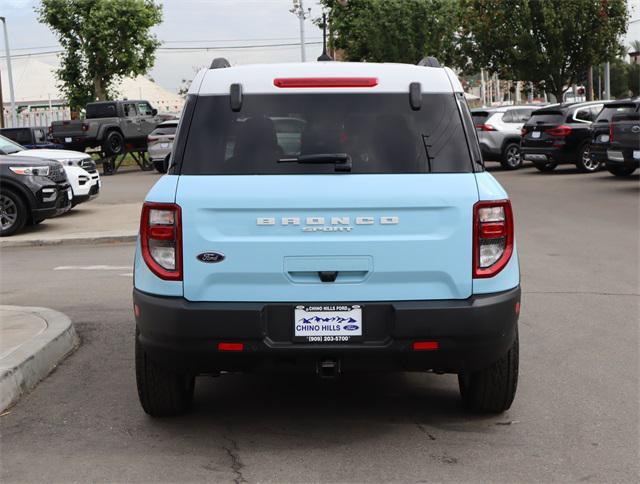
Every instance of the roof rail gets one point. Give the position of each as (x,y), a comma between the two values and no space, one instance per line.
(219,63)
(429,62)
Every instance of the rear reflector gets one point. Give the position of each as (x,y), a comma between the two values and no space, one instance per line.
(309,82)
(230,346)
(425,345)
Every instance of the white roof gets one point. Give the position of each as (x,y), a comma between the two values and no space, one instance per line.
(35,82)
(259,78)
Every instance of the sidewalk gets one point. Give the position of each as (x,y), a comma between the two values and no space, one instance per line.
(87,223)
(32,343)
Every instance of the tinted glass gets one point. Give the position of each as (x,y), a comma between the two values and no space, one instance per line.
(145,109)
(39,136)
(129,110)
(165,130)
(517,116)
(546,117)
(380,132)
(584,114)
(107,110)
(610,110)
(21,136)
(7,146)
(479,117)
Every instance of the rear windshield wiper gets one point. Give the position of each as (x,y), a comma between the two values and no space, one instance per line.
(341,160)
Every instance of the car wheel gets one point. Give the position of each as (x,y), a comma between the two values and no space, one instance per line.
(511,157)
(162,392)
(585,163)
(544,166)
(493,389)
(113,143)
(13,213)
(621,170)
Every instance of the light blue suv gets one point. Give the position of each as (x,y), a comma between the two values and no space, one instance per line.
(326,217)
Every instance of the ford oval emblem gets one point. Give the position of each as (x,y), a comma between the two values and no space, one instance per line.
(636,129)
(350,327)
(211,257)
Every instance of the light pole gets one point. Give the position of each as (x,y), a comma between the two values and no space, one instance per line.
(8,54)
(299,11)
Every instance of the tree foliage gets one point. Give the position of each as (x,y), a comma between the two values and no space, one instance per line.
(102,42)
(393,30)
(549,42)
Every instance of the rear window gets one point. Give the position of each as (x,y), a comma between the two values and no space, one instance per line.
(380,132)
(479,117)
(101,111)
(165,129)
(609,111)
(546,117)
(517,116)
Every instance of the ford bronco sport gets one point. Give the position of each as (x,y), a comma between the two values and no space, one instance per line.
(375,241)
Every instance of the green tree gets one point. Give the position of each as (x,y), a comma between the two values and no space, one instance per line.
(102,42)
(549,42)
(393,30)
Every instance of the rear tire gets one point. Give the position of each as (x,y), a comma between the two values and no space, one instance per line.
(544,166)
(585,163)
(621,170)
(492,389)
(511,157)
(113,143)
(13,213)
(162,392)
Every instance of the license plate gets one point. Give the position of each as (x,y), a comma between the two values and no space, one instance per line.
(164,145)
(535,157)
(636,154)
(327,323)
(68,140)
(535,134)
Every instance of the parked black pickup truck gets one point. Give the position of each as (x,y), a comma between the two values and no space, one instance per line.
(29,137)
(623,155)
(110,125)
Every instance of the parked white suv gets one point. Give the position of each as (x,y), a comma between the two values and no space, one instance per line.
(499,134)
(79,167)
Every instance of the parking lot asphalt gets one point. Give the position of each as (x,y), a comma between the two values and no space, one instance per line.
(575,417)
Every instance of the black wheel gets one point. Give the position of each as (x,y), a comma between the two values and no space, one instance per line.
(113,143)
(162,392)
(511,157)
(585,163)
(621,170)
(492,390)
(13,213)
(544,166)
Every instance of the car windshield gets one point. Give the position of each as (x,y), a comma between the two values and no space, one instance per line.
(379,132)
(8,147)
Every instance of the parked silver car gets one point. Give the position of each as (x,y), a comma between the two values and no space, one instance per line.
(160,143)
(498,131)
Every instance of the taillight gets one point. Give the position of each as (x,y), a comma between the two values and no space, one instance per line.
(161,239)
(152,138)
(311,82)
(85,127)
(485,127)
(559,131)
(610,132)
(524,131)
(492,237)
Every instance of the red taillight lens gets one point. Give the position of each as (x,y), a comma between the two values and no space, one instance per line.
(230,346)
(161,239)
(524,131)
(610,132)
(425,345)
(152,138)
(559,131)
(310,82)
(492,237)
(485,127)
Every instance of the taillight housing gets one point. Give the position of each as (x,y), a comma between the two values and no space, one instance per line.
(485,127)
(161,239)
(85,127)
(492,237)
(524,130)
(561,131)
(610,132)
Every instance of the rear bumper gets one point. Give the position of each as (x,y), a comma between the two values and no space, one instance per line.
(622,157)
(549,155)
(184,335)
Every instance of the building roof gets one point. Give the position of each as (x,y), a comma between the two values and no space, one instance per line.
(35,83)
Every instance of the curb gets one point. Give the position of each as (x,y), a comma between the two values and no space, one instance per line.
(78,240)
(25,366)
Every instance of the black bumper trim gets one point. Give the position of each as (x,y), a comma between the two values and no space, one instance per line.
(472,333)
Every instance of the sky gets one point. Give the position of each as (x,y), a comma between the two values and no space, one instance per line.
(190,23)
(196,23)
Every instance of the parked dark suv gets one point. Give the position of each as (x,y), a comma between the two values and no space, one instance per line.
(561,134)
(600,135)
(31,190)
(623,155)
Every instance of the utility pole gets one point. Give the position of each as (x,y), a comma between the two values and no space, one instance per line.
(607,82)
(483,89)
(1,104)
(8,54)
(299,11)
